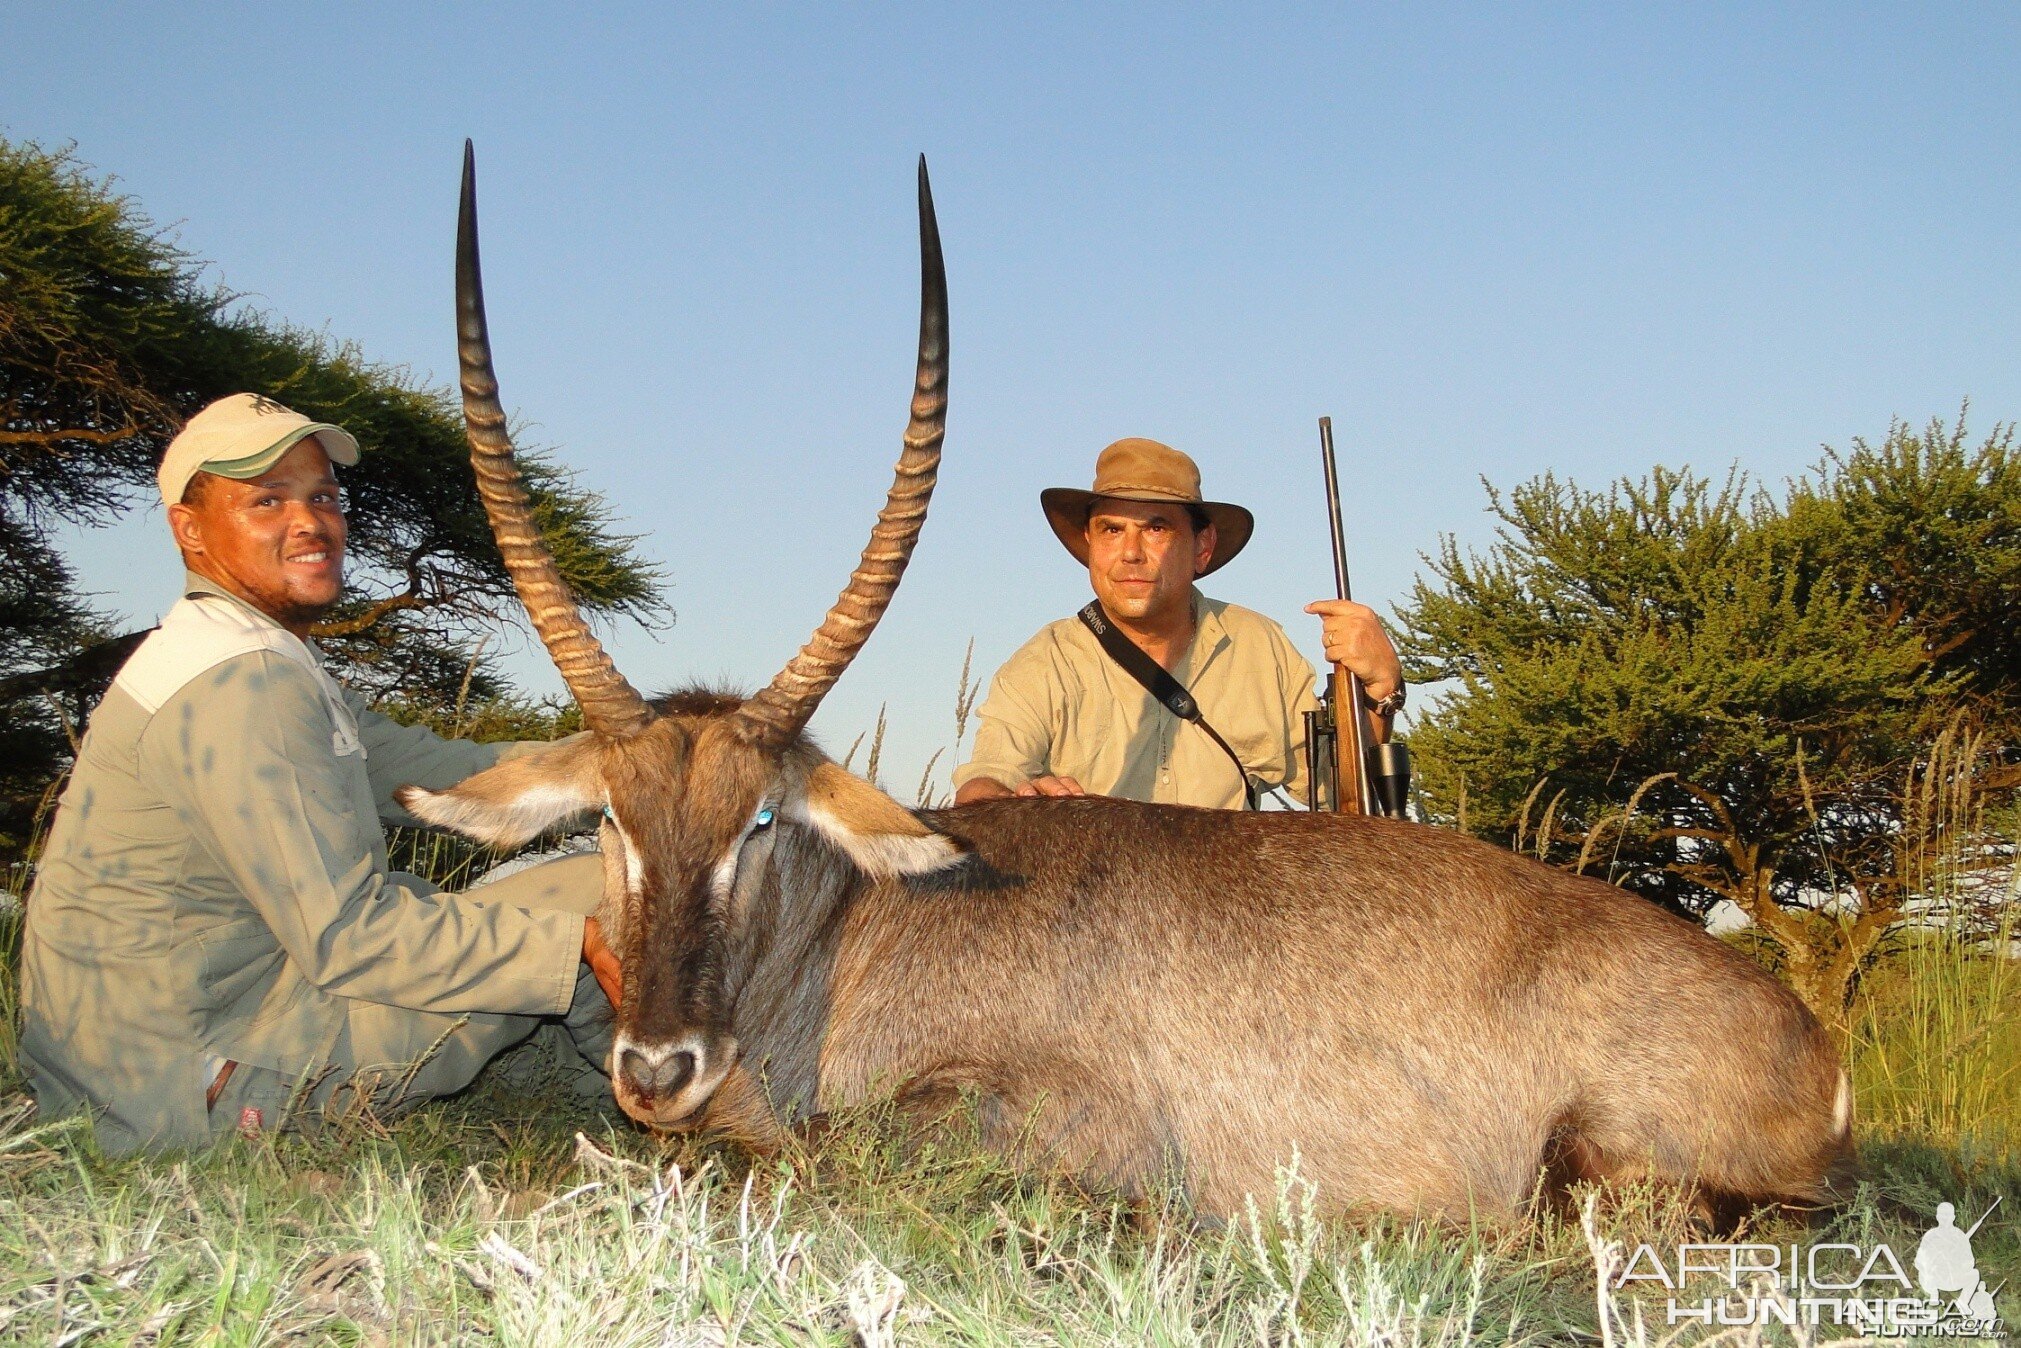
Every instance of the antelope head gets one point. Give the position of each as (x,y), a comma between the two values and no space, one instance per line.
(694,790)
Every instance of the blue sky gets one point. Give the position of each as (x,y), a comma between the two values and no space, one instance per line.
(1488,241)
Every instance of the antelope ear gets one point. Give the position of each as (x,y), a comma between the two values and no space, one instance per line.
(516,799)
(881,836)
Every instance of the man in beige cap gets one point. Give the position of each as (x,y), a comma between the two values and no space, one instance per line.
(1064,718)
(213,921)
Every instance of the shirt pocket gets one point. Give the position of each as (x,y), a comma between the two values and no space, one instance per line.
(344,739)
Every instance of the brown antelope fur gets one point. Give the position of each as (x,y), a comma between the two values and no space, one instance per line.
(1140,991)
(1132,991)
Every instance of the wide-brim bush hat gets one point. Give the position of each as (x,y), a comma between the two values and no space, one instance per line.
(1144,470)
(241,437)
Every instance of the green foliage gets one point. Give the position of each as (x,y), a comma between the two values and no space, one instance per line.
(1704,692)
(1926,529)
(103,325)
(1662,627)
(42,621)
(109,338)
(489,720)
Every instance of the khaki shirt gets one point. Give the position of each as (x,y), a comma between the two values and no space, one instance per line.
(215,885)
(1060,706)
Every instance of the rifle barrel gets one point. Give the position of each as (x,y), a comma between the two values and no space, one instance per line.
(1340,583)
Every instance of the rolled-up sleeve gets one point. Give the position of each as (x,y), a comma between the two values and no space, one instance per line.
(1016,723)
(280,811)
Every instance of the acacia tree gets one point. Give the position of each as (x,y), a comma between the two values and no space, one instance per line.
(1926,529)
(110,337)
(1706,693)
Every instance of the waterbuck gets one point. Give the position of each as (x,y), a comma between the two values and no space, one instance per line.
(1134,992)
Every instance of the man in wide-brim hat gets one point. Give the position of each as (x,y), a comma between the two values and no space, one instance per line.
(1064,718)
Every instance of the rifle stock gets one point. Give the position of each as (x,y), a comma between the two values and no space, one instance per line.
(1350,751)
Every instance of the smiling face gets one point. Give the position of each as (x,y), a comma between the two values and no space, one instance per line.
(275,541)
(1143,557)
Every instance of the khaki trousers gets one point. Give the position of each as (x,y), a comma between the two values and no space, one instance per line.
(389,1058)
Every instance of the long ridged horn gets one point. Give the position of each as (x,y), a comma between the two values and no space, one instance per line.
(610,706)
(777,713)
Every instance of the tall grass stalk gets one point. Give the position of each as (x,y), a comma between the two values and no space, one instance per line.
(1936,1042)
(1936,1030)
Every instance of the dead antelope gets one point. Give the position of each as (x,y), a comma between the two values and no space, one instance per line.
(1141,991)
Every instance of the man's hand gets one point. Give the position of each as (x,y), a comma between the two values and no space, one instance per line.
(1354,638)
(988,788)
(1051,786)
(601,961)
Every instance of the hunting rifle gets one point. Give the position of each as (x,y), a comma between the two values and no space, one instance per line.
(1367,778)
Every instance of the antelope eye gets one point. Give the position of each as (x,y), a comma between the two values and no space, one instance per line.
(764,820)
(608,815)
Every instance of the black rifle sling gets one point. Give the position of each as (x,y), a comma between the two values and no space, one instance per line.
(1159,683)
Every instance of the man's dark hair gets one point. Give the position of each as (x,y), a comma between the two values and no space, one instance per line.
(198,489)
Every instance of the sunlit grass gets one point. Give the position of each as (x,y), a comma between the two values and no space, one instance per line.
(1936,1044)
(504,1218)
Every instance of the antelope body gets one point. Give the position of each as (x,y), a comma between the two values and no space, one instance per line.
(1136,992)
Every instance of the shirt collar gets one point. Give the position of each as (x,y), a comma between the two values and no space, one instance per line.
(196,586)
(1210,638)
(1209,634)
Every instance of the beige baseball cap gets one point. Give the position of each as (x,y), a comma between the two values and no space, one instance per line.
(242,436)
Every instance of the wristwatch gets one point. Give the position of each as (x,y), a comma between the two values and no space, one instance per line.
(1390,705)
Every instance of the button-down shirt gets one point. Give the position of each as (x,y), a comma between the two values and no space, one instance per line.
(215,883)
(1061,707)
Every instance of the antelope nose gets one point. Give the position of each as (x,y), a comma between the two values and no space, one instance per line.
(656,1071)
